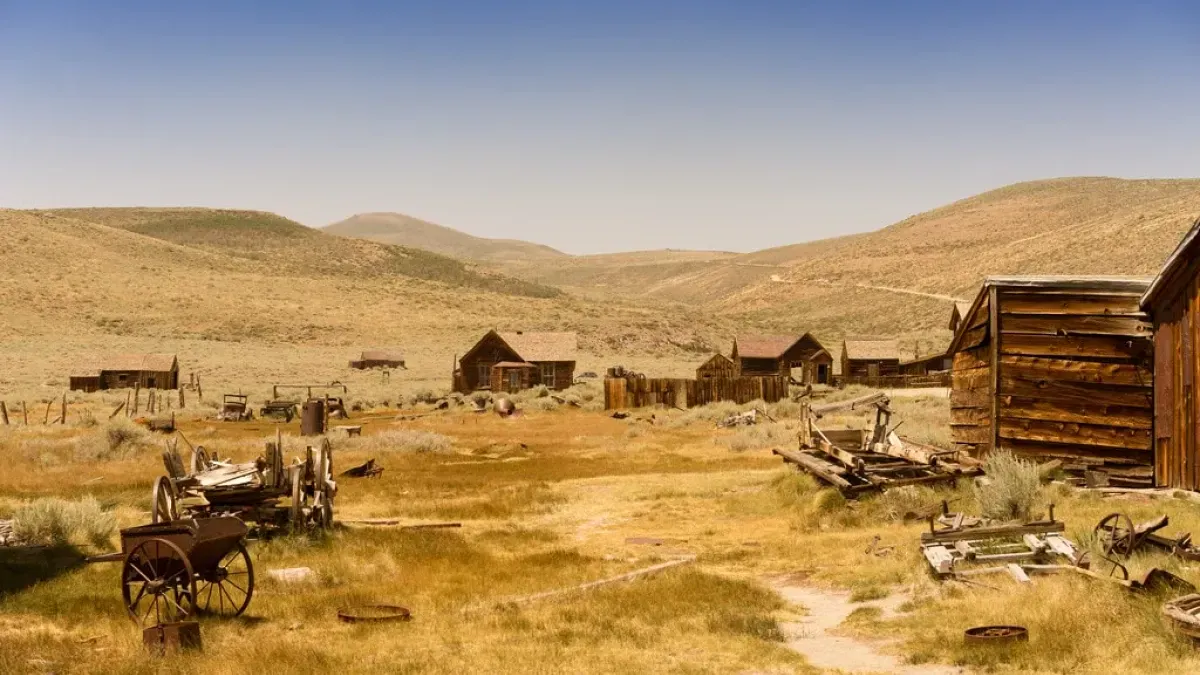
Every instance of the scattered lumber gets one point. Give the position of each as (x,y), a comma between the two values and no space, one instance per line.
(852,404)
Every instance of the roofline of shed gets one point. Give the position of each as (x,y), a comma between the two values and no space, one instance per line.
(1168,268)
(1101,282)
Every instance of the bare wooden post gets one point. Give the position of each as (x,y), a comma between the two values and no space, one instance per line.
(805,424)
(120,407)
(137,395)
(181,402)
(25,412)
(64,408)
(4,413)
(46,419)
(199,391)
(168,401)
(128,410)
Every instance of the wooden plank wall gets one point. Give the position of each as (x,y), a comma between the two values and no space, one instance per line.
(1176,371)
(971,394)
(900,381)
(638,392)
(1074,379)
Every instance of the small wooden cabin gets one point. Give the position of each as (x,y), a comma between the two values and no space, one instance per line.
(545,358)
(379,358)
(121,371)
(870,358)
(776,355)
(1057,368)
(718,365)
(924,365)
(1173,304)
(512,376)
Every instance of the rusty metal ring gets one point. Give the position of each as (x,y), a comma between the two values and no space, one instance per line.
(374,614)
(994,635)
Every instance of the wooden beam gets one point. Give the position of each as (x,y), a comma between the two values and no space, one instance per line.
(994,359)
(816,466)
(974,533)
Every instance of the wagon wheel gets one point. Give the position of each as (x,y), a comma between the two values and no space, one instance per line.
(1113,568)
(227,588)
(157,582)
(299,498)
(162,501)
(323,487)
(1116,534)
(200,460)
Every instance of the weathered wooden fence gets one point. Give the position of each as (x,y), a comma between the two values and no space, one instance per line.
(638,392)
(900,381)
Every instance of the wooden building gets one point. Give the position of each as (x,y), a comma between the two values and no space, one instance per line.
(1057,368)
(1173,305)
(537,358)
(718,365)
(959,311)
(870,358)
(775,355)
(121,371)
(379,358)
(924,365)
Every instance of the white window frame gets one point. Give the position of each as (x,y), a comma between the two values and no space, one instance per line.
(549,381)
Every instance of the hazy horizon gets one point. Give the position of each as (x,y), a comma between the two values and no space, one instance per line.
(589,128)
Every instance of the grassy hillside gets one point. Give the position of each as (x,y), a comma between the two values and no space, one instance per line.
(397,228)
(282,246)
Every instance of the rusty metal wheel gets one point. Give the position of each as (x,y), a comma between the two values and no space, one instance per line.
(163,508)
(298,515)
(227,588)
(1116,535)
(200,460)
(991,635)
(157,582)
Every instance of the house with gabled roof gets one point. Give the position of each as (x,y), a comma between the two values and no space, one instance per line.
(772,355)
(512,361)
(379,358)
(870,358)
(121,371)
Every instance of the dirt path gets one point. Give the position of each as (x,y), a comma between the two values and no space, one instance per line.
(813,635)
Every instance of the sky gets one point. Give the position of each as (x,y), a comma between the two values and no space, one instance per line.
(590,126)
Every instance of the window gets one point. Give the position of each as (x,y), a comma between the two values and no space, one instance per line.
(122,378)
(548,371)
(872,370)
(483,374)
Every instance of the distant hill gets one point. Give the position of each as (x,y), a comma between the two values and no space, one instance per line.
(284,246)
(397,228)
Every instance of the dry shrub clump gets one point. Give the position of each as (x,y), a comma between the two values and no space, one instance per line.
(402,440)
(51,521)
(119,438)
(1011,489)
(758,436)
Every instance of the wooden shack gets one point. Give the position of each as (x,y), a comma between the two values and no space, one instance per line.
(930,363)
(121,371)
(1172,303)
(870,358)
(1057,368)
(550,358)
(718,365)
(777,355)
(512,376)
(379,358)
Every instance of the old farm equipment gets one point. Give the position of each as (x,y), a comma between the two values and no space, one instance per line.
(278,408)
(265,492)
(856,461)
(235,408)
(1119,537)
(176,569)
(1039,546)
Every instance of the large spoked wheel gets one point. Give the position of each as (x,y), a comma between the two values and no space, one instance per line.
(325,489)
(158,583)
(163,507)
(1115,532)
(299,509)
(200,460)
(227,589)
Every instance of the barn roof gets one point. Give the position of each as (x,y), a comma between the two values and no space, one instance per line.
(872,350)
(1179,258)
(770,346)
(542,346)
(382,354)
(716,358)
(93,365)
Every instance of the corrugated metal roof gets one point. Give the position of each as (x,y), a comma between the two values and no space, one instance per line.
(882,350)
(538,347)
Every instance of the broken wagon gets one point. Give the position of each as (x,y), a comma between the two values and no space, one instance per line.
(265,492)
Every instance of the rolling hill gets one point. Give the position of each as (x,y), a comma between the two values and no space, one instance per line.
(397,228)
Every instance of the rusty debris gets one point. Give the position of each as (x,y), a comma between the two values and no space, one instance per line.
(1120,537)
(1184,614)
(235,408)
(367,469)
(278,408)
(374,614)
(996,635)
(504,407)
(172,570)
(172,638)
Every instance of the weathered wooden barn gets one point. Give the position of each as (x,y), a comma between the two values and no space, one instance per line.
(120,371)
(870,358)
(1173,304)
(537,358)
(1058,368)
(718,365)
(931,363)
(776,355)
(379,358)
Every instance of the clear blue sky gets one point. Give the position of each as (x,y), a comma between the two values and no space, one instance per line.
(590,126)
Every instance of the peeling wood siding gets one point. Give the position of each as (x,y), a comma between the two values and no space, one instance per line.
(1058,373)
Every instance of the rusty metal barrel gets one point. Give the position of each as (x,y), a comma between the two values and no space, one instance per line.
(312,417)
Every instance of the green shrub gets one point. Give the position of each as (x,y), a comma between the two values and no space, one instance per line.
(1011,488)
(51,521)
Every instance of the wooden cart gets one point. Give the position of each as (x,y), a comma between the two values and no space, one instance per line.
(176,569)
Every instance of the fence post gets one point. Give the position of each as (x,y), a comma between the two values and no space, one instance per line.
(64,408)
(4,412)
